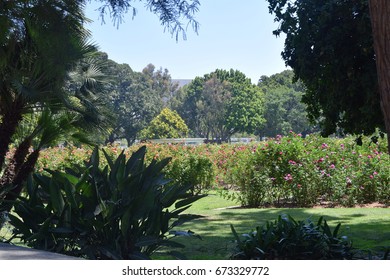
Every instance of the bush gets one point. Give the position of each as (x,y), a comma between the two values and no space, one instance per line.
(125,210)
(287,239)
(194,171)
(303,172)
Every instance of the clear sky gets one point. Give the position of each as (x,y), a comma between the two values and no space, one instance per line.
(233,34)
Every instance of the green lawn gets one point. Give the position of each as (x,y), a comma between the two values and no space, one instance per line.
(368,228)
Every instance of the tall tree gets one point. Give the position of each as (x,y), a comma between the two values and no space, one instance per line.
(329,45)
(284,110)
(135,97)
(380,21)
(222,103)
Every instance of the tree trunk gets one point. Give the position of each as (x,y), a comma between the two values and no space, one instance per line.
(380,21)
(8,125)
(18,182)
(15,163)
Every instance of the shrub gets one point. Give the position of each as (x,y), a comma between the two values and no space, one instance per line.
(125,210)
(194,171)
(287,239)
(307,171)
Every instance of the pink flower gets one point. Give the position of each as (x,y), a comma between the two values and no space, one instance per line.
(292,162)
(324,146)
(288,177)
(332,166)
(371,177)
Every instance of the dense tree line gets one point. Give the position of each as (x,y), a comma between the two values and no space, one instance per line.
(215,106)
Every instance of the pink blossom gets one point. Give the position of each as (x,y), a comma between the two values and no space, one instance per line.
(292,162)
(332,166)
(324,146)
(288,177)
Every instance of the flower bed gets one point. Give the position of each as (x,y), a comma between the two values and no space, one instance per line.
(290,169)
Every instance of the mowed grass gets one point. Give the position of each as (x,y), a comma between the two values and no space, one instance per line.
(368,228)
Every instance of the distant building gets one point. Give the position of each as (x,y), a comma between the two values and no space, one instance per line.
(181,82)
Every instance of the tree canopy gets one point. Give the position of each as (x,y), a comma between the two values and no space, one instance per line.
(284,110)
(329,45)
(167,124)
(222,103)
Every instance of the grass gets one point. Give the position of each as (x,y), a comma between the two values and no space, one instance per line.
(368,228)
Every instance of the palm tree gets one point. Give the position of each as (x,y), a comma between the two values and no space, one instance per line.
(41,44)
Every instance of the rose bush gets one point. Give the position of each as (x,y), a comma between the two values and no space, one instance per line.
(286,169)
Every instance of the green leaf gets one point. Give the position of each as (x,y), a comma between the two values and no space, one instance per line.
(56,197)
(236,235)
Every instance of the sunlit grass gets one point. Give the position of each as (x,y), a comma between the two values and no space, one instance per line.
(368,228)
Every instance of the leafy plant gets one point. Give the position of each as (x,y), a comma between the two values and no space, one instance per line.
(194,171)
(288,239)
(125,210)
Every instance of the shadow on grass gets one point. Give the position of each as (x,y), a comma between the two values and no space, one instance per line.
(369,229)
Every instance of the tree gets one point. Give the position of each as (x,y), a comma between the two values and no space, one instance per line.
(222,103)
(168,124)
(329,45)
(380,21)
(135,97)
(40,44)
(284,110)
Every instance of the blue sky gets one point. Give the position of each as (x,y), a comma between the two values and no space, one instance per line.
(233,34)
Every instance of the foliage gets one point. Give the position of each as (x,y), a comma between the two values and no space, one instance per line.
(329,45)
(195,171)
(171,13)
(284,110)
(309,171)
(41,44)
(281,171)
(168,124)
(135,98)
(287,239)
(220,104)
(123,211)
